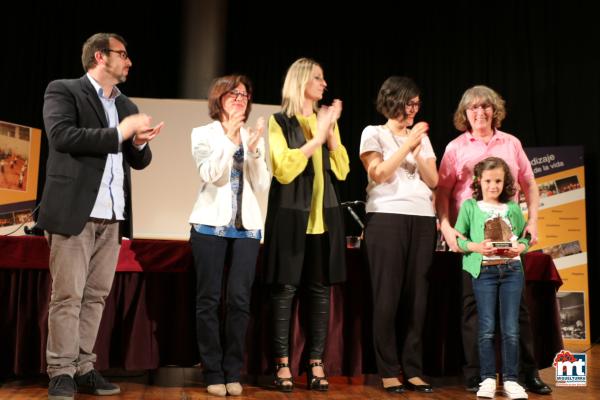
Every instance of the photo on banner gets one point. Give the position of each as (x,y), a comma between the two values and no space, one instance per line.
(559,173)
(19,169)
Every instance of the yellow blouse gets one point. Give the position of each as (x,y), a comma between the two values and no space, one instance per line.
(287,164)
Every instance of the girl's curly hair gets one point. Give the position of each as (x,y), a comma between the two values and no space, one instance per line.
(509,189)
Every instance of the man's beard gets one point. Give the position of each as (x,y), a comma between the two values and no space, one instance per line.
(120,78)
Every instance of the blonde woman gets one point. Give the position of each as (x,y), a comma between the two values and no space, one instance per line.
(304,241)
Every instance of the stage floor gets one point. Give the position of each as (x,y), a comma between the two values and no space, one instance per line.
(186,383)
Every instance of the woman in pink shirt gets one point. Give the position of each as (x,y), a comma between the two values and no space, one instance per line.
(479,115)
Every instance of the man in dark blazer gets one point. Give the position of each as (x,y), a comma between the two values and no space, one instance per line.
(95,134)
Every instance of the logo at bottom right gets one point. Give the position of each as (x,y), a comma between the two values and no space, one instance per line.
(571,369)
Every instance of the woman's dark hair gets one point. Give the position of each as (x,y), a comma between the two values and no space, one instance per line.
(394,95)
(508,191)
(222,86)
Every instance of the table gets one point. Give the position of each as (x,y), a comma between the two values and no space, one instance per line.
(149,316)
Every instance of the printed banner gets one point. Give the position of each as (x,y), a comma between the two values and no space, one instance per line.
(19,168)
(559,173)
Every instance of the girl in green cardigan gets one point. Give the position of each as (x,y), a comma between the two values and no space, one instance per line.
(492,225)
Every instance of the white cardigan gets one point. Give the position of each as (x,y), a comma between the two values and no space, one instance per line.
(213,153)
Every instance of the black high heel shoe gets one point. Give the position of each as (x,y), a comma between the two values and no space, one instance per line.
(316,382)
(280,383)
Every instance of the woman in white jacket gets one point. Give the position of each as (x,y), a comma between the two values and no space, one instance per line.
(226,221)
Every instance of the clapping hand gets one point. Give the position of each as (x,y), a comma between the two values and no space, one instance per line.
(137,126)
(147,135)
(417,133)
(233,124)
(324,120)
(337,110)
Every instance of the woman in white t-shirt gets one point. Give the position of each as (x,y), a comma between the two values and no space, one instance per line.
(400,232)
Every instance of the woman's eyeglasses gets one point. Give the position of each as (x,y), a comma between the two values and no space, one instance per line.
(483,107)
(413,105)
(236,94)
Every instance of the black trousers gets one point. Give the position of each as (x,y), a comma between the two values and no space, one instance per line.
(222,362)
(400,253)
(314,283)
(470,330)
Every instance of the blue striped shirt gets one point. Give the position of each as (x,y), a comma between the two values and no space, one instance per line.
(110,201)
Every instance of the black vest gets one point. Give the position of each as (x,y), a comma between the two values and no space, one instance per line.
(287,217)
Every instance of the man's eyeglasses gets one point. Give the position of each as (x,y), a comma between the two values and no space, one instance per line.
(236,94)
(413,104)
(122,53)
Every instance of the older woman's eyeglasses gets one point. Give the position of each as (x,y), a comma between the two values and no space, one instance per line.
(483,107)
(122,53)
(236,94)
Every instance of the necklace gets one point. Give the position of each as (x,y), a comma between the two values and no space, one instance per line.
(410,169)
(404,130)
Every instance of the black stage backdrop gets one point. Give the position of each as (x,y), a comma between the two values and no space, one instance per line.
(540,57)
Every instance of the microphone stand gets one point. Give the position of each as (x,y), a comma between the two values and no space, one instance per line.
(353,243)
(356,218)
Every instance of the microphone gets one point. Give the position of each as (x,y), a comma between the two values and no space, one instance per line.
(33,231)
(351,203)
(27,230)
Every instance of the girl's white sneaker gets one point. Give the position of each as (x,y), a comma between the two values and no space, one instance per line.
(514,391)
(487,388)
